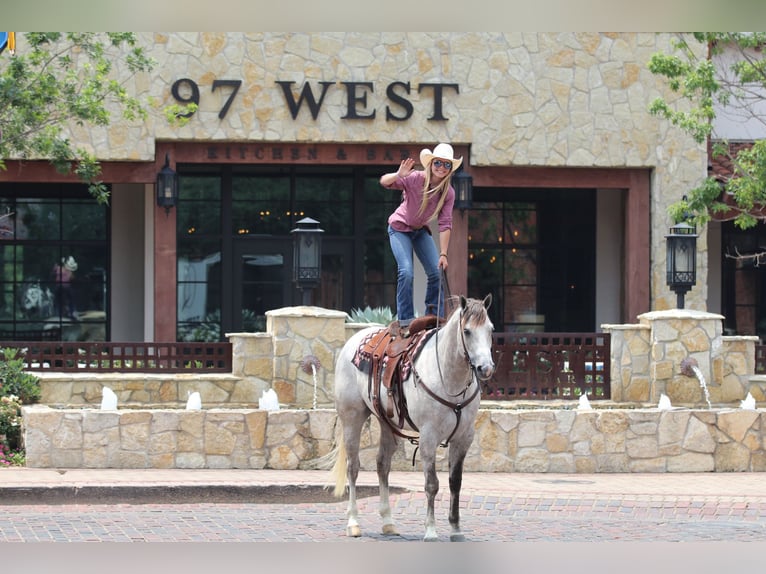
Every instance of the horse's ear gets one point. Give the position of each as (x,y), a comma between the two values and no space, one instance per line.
(488,301)
(463,302)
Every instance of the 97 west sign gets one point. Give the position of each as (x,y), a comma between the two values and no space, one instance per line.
(398,106)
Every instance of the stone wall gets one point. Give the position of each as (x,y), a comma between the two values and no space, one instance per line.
(535,440)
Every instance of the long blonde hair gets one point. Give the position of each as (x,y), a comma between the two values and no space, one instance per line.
(440,190)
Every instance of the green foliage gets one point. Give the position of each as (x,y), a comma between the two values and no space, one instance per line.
(14,380)
(381,315)
(57,79)
(701,86)
(10,421)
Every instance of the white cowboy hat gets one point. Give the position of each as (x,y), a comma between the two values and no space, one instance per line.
(69,263)
(441,151)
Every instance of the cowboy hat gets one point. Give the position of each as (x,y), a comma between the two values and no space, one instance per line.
(441,151)
(69,263)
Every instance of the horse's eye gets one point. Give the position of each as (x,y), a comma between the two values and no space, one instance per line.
(467,332)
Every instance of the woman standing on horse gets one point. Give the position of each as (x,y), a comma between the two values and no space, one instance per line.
(426,195)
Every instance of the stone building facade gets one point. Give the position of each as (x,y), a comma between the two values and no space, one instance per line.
(530,112)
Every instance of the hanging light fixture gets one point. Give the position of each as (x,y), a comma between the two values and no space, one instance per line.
(463,184)
(167,187)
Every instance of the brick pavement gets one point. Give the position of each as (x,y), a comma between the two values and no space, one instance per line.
(81,505)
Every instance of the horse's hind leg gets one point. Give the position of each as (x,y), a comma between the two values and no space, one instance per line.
(352,430)
(385,453)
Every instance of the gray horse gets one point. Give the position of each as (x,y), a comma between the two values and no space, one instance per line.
(438,406)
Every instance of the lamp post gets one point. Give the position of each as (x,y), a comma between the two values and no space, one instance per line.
(463,184)
(307,256)
(681,260)
(167,187)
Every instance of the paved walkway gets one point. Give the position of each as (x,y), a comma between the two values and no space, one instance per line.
(276,506)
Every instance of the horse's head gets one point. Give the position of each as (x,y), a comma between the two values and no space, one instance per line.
(476,333)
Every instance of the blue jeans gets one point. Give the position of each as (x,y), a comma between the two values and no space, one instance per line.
(402,245)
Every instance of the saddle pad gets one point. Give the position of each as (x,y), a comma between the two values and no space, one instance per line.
(363,360)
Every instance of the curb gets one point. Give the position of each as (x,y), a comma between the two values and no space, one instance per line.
(180,494)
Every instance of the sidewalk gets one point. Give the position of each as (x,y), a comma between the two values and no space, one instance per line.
(30,486)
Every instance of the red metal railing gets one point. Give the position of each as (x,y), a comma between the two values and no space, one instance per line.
(544,366)
(536,366)
(169,357)
(760,359)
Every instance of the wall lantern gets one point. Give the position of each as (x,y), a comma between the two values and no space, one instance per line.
(463,184)
(681,260)
(167,187)
(307,256)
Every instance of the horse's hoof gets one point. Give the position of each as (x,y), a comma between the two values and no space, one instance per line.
(430,538)
(390,530)
(457,537)
(354,531)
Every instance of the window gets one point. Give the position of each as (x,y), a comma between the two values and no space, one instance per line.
(53,263)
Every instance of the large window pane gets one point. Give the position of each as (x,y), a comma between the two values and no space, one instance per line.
(53,264)
(199,206)
(38,219)
(328,200)
(83,221)
(261,205)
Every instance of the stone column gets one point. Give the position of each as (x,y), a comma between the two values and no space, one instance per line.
(691,337)
(303,335)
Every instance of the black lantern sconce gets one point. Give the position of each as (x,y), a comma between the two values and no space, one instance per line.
(307,256)
(681,260)
(463,184)
(167,187)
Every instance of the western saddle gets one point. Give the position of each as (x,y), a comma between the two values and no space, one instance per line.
(387,355)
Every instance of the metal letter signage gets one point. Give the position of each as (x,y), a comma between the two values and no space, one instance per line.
(357,95)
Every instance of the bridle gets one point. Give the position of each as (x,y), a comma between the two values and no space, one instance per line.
(456,406)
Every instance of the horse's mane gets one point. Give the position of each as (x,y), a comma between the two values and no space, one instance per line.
(474,309)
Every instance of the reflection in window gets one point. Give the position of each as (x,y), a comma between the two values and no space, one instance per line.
(53,264)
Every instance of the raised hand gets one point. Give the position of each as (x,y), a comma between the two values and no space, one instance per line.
(406,167)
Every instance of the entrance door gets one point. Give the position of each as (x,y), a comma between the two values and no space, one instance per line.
(262,280)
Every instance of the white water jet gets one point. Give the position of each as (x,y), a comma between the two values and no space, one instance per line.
(748,403)
(664,404)
(194,402)
(269,400)
(584,403)
(108,400)
(703,383)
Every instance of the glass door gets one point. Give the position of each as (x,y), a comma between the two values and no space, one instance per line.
(262,279)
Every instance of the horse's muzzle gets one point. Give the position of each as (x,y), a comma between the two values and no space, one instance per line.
(485,372)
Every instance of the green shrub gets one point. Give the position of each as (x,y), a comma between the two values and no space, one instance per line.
(10,421)
(381,315)
(13,379)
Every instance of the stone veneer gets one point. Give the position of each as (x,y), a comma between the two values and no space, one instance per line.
(536,440)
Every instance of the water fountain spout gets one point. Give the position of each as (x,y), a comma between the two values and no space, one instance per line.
(309,365)
(690,368)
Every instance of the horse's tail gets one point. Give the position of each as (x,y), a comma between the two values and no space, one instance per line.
(339,469)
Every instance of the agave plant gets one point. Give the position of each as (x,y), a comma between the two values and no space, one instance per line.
(380,315)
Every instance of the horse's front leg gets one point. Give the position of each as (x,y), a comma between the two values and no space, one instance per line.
(385,453)
(428,457)
(456,459)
